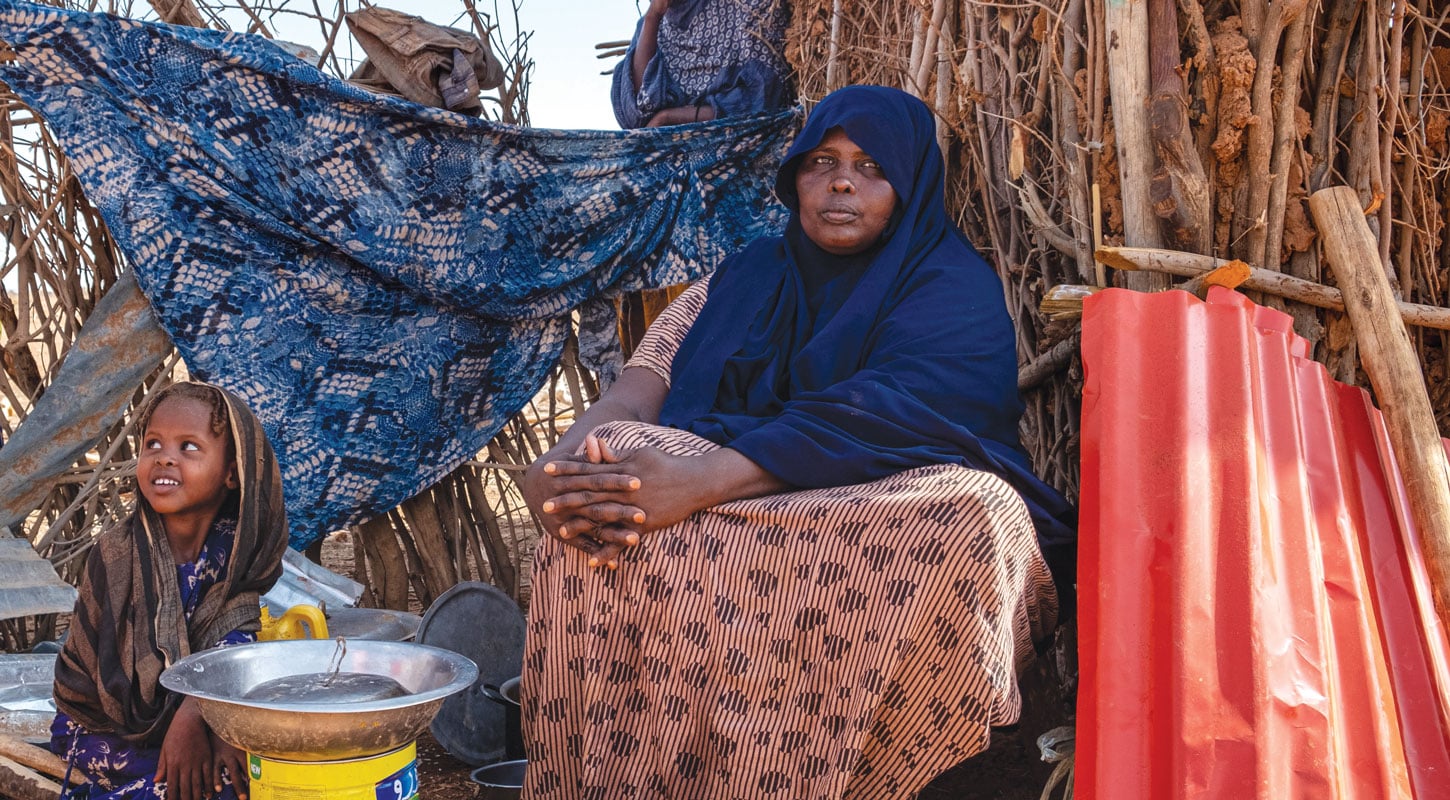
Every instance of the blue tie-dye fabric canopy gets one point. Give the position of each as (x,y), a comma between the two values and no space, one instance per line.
(384,283)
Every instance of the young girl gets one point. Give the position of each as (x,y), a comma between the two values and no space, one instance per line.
(182,574)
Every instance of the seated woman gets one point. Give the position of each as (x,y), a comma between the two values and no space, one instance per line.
(810,491)
(694,60)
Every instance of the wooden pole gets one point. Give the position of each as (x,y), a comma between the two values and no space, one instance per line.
(1395,373)
(20,782)
(1127,51)
(387,568)
(1191,265)
(835,46)
(1179,187)
(35,758)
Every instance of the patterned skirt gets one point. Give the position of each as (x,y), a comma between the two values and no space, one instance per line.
(831,643)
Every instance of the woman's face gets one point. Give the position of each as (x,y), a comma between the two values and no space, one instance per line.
(845,199)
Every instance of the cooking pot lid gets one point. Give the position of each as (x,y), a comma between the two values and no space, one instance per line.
(481,622)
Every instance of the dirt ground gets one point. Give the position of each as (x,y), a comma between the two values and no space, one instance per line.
(441,776)
(1010,769)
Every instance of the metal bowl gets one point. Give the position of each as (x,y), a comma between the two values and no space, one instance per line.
(501,781)
(219,678)
(372,623)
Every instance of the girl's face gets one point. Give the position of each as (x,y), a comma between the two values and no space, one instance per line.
(845,200)
(184,467)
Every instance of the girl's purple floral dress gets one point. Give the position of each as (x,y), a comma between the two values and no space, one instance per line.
(118,769)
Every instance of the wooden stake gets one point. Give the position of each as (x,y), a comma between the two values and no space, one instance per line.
(20,782)
(942,98)
(1190,265)
(1396,375)
(931,50)
(1261,132)
(835,46)
(1179,187)
(1074,160)
(440,570)
(34,757)
(1127,31)
(1099,272)
(387,569)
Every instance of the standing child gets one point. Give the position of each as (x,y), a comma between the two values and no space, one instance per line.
(184,573)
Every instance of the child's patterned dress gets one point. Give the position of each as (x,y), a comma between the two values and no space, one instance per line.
(118,769)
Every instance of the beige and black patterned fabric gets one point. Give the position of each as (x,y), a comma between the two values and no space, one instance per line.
(844,642)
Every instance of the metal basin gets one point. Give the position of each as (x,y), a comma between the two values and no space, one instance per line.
(26,681)
(372,623)
(501,781)
(319,731)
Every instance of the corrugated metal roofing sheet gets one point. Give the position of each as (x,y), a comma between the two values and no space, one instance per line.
(1256,619)
(28,583)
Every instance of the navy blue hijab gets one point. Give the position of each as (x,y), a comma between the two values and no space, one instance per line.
(829,371)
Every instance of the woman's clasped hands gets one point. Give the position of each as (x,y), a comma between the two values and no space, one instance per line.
(602,502)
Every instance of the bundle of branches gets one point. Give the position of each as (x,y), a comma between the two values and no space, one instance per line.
(57,260)
(1195,126)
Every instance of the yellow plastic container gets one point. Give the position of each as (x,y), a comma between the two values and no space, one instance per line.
(299,622)
(390,776)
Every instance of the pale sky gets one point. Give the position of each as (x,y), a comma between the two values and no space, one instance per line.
(567,90)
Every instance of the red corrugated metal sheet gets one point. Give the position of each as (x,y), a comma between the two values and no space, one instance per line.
(1255,619)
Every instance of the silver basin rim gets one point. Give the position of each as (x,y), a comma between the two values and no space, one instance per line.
(465,672)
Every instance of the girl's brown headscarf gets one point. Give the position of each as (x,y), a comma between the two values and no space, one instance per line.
(129,625)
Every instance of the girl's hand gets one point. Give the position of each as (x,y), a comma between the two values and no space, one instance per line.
(234,761)
(185,763)
(536,486)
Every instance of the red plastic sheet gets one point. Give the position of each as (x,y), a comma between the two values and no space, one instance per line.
(1256,619)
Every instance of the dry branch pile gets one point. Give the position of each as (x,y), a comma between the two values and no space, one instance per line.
(1196,126)
(57,260)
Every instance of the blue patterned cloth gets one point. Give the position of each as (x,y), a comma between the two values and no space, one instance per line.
(384,284)
(115,768)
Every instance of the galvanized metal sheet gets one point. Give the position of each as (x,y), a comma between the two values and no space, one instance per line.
(28,583)
(1256,620)
(304,582)
(26,681)
(120,343)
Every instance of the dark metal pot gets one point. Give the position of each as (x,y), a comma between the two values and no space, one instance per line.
(501,781)
(507,696)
